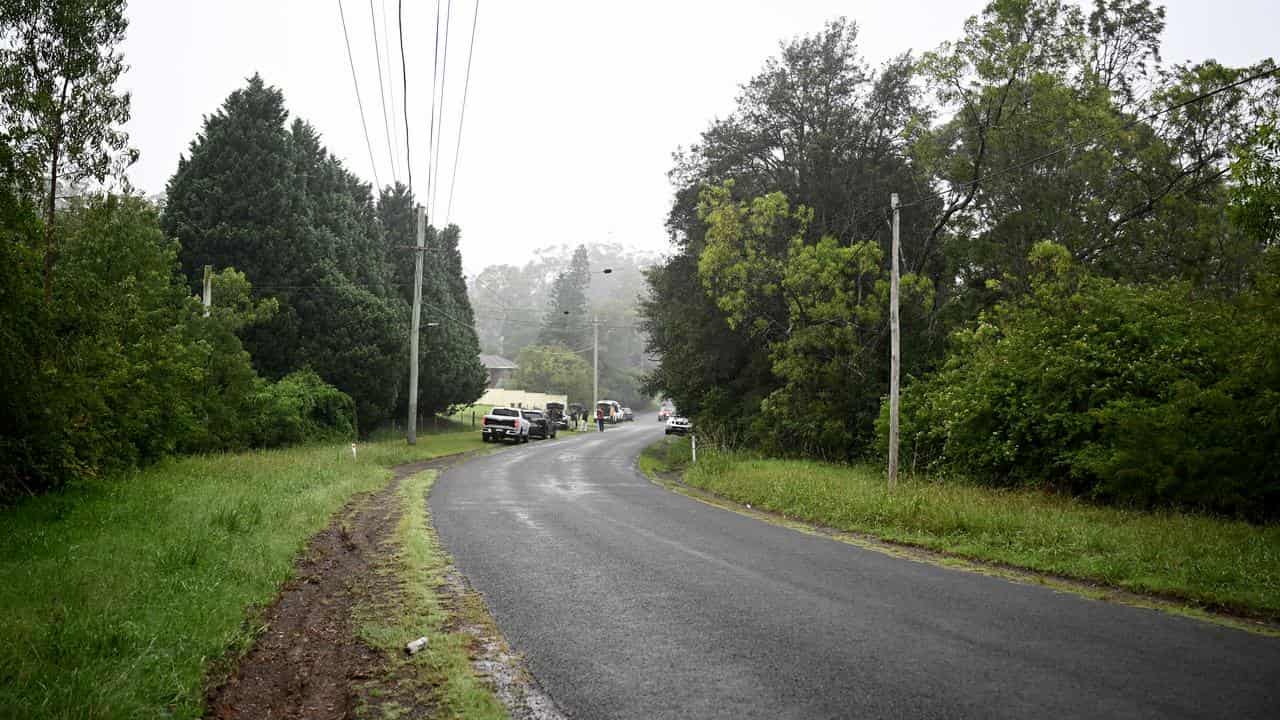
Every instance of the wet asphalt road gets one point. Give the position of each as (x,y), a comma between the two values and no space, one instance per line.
(630,601)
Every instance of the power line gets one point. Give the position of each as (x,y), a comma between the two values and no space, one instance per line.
(444,77)
(382,98)
(404,94)
(351,61)
(391,87)
(466,86)
(431,133)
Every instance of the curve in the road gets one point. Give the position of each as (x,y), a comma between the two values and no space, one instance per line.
(630,601)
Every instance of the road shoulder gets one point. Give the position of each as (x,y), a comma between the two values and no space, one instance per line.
(672,479)
(333,643)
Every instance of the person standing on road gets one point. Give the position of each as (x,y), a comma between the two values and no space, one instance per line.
(600,419)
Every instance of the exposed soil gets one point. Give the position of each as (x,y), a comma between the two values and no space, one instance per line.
(308,662)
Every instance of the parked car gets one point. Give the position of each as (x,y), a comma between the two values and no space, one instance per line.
(540,426)
(679,426)
(555,411)
(666,412)
(627,414)
(504,424)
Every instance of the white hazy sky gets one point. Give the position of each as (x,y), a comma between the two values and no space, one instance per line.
(575,106)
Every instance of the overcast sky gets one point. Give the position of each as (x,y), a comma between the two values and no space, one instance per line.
(574,108)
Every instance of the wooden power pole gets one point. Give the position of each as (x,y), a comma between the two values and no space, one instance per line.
(595,364)
(894,351)
(415,326)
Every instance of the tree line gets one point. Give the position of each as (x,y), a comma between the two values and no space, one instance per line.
(1087,247)
(108,359)
(541,314)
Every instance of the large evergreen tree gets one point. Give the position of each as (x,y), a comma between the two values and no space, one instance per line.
(395,211)
(272,202)
(566,322)
(450,370)
(233,200)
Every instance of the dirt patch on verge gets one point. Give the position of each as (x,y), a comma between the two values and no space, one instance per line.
(307,661)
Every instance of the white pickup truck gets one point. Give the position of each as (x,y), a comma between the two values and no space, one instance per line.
(505,424)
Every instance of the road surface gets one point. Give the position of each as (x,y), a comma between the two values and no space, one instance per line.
(630,601)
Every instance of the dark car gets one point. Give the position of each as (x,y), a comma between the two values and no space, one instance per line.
(540,426)
(555,411)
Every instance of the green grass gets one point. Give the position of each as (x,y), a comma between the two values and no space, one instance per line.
(464,417)
(116,598)
(1215,563)
(439,676)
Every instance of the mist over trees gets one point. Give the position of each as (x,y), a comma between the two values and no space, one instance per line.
(548,305)
(1043,134)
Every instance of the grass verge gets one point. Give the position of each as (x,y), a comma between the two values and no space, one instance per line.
(439,676)
(115,597)
(469,417)
(1208,562)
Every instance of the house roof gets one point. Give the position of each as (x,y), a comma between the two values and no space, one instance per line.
(497,362)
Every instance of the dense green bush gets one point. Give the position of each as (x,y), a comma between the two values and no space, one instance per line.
(302,407)
(1150,395)
(121,367)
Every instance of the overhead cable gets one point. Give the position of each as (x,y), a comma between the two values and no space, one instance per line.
(444,76)
(431,133)
(382,97)
(404,94)
(351,61)
(466,86)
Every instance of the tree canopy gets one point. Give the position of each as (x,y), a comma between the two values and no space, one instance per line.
(264,196)
(1040,123)
(552,300)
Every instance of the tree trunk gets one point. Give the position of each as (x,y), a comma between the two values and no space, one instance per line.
(49,238)
(49,217)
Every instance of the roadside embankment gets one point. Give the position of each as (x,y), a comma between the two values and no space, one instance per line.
(1209,563)
(123,598)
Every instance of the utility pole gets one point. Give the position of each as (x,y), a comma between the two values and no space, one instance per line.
(894,351)
(595,363)
(208,289)
(595,353)
(415,322)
